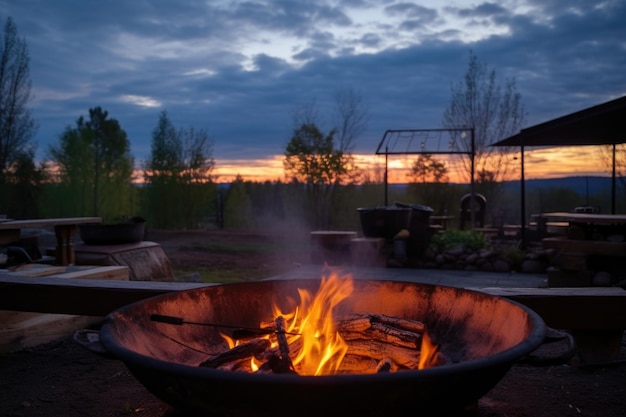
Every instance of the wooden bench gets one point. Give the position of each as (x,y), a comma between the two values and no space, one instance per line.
(586,247)
(23,329)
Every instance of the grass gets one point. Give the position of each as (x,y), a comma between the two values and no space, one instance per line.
(223,275)
(238,248)
(242,272)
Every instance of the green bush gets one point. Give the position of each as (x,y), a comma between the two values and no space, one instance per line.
(513,255)
(467,239)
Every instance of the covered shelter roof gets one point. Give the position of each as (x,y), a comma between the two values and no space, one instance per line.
(603,124)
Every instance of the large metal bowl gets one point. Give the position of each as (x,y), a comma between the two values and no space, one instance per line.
(481,336)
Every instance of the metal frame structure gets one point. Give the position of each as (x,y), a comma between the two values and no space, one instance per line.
(410,138)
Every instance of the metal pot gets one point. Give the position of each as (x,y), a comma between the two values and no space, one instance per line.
(481,336)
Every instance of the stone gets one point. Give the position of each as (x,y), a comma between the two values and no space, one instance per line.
(456,252)
(532,266)
(601,279)
(471,259)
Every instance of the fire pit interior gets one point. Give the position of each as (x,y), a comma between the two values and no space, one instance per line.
(171,343)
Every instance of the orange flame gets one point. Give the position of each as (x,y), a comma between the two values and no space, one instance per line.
(429,353)
(322,348)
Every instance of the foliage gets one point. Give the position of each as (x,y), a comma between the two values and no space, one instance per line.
(95,168)
(426,169)
(606,154)
(312,159)
(319,162)
(513,255)
(428,182)
(237,207)
(452,238)
(18,174)
(494,113)
(23,191)
(179,172)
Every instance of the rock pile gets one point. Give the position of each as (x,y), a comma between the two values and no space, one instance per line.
(496,258)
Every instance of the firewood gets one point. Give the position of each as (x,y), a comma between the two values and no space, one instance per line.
(359,322)
(403,357)
(386,334)
(384,365)
(282,363)
(397,322)
(245,350)
(356,364)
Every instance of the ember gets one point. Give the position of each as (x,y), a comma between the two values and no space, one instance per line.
(310,341)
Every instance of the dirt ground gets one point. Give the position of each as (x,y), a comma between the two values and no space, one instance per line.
(62,378)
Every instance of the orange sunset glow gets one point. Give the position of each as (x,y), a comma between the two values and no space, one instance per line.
(539,164)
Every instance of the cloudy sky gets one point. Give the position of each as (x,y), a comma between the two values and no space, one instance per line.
(239,69)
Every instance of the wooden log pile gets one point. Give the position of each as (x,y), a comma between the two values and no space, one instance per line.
(376,343)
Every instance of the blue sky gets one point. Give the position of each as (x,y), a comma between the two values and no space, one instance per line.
(239,69)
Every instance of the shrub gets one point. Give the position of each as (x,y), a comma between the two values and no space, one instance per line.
(467,239)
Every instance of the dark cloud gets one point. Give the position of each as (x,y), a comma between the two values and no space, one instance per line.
(240,69)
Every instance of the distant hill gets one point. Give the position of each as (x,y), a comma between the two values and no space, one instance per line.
(582,185)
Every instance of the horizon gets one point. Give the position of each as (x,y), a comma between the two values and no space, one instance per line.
(539,164)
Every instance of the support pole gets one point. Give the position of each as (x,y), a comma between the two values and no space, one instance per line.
(523,202)
(613,182)
(386,173)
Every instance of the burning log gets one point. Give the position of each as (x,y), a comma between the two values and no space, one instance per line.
(384,365)
(376,343)
(281,363)
(244,351)
(403,357)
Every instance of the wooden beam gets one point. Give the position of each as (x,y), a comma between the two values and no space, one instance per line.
(587,247)
(579,308)
(597,308)
(90,297)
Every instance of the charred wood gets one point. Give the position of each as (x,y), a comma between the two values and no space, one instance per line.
(239,352)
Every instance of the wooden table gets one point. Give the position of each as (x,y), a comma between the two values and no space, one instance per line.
(585,225)
(64,229)
(589,218)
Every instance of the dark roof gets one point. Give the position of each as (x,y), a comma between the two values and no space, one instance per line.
(604,124)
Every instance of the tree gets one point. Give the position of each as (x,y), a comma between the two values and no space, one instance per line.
(95,166)
(323,161)
(351,118)
(605,154)
(494,112)
(179,171)
(428,181)
(427,169)
(17,126)
(312,159)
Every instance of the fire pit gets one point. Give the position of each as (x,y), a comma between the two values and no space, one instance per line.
(480,336)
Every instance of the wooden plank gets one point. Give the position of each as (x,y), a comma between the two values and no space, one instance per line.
(78,296)
(19,224)
(578,308)
(588,247)
(19,330)
(99,272)
(561,308)
(37,270)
